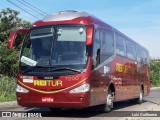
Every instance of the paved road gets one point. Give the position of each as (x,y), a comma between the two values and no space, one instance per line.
(151,103)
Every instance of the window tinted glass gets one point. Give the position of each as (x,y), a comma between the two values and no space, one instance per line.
(139,54)
(146,57)
(96,49)
(18,40)
(130,48)
(75,34)
(120,45)
(53,46)
(107,44)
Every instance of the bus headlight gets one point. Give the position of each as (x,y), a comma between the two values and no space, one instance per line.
(82,88)
(21,89)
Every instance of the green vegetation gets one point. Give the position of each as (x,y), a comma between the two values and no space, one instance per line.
(8,60)
(7,88)
(9,21)
(155,72)
(8,71)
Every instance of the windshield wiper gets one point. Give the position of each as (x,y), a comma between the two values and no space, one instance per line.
(32,68)
(65,68)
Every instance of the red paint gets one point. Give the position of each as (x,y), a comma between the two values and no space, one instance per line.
(89,36)
(59,96)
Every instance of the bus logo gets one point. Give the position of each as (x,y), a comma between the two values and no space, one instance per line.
(126,69)
(47,83)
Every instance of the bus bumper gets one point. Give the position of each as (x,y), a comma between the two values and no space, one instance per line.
(76,100)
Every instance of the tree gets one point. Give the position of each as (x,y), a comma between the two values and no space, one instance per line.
(10,21)
(155,72)
(8,60)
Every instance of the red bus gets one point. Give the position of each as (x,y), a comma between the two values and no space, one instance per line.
(72,59)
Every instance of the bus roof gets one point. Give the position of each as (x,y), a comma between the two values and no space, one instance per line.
(64,15)
(71,16)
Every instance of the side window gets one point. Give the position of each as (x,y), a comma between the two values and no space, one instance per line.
(27,47)
(139,54)
(107,44)
(130,48)
(146,57)
(96,49)
(18,40)
(120,45)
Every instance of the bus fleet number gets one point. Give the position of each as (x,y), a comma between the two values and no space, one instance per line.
(72,78)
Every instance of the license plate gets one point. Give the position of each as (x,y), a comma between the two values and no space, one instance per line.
(47,99)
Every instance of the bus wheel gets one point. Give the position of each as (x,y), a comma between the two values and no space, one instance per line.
(109,103)
(54,109)
(140,99)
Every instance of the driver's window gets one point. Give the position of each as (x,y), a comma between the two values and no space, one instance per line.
(18,40)
(27,47)
(96,50)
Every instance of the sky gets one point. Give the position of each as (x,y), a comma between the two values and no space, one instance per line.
(138,19)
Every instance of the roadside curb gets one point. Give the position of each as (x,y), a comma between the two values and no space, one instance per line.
(155,88)
(8,105)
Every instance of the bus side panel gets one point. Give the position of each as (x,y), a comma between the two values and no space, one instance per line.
(123,82)
(98,87)
(146,80)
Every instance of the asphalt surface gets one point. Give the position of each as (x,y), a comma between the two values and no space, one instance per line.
(122,111)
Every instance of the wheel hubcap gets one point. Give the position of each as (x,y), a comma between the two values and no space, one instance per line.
(109,100)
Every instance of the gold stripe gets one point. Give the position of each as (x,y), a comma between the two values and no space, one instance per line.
(45,92)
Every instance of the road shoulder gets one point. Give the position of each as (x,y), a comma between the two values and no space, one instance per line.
(8,105)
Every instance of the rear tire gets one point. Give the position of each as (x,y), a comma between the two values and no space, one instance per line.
(140,99)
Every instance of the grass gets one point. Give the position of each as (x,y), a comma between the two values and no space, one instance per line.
(7,88)
(155,82)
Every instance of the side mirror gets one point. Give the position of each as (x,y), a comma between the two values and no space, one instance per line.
(13,36)
(89,35)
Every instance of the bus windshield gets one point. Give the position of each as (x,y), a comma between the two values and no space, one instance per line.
(55,46)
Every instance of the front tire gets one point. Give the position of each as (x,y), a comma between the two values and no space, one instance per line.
(109,102)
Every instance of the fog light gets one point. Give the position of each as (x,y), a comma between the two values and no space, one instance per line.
(18,98)
(81,98)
